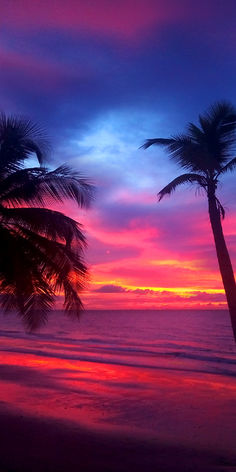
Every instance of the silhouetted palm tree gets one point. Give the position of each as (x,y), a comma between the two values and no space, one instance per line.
(40,249)
(205,151)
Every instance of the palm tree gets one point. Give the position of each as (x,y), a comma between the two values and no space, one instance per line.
(40,249)
(205,152)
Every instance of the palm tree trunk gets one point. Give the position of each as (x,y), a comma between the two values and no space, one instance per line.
(225,265)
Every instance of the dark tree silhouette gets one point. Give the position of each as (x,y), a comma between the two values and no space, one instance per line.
(205,152)
(41,250)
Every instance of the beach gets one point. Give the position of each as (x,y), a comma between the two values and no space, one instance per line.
(121,391)
(117,205)
(28,444)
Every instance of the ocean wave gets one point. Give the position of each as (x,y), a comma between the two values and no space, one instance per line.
(219,367)
(108,347)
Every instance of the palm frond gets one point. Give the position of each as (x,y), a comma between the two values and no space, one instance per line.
(195,133)
(20,138)
(21,186)
(35,149)
(49,223)
(47,265)
(37,306)
(180,180)
(184,152)
(220,208)
(32,308)
(207,148)
(56,260)
(222,113)
(28,292)
(219,127)
(230,166)
(39,186)
(72,304)
(41,250)
(64,182)
(156,141)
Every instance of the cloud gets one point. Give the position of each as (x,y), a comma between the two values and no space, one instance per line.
(102,77)
(110,289)
(210,297)
(64,66)
(122,19)
(164,295)
(125,19)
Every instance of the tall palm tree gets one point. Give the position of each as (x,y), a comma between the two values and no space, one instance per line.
(40,249)
(205,152)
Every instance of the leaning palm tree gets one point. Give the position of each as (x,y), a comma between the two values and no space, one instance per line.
(41,250)
(205,152)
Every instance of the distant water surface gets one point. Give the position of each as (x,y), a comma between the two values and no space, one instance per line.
(167,373)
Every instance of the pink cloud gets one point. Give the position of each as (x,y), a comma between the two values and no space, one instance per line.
(154,247)
(110,289)
(117,297)
(122,19)
(43,73)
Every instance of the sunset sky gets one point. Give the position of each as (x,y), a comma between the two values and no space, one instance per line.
(102,76)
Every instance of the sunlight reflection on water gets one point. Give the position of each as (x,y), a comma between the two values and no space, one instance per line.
(162,373)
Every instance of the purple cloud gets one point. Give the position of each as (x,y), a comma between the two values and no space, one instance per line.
(110,289)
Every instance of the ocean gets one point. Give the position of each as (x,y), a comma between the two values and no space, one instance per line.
(155,373)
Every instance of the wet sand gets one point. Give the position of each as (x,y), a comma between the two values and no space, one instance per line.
(28,444)
(124,393)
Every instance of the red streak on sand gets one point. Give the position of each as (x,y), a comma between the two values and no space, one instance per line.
(193,407)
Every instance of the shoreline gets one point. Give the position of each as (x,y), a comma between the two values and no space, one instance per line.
(47,445)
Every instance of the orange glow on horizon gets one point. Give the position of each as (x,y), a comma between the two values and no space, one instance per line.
(151,262)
